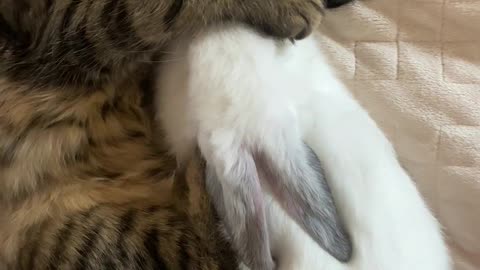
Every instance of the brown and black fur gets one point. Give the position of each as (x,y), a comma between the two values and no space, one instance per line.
(82,185)
(87,42)
(179,231)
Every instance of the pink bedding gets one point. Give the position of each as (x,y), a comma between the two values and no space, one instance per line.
(415,66)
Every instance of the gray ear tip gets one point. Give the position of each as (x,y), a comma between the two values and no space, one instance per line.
(342,250)
(345,255)
(338,244)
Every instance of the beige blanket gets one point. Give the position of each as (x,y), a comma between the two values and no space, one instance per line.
(415,66)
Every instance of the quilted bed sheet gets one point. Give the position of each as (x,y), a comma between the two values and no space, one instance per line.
(415,66)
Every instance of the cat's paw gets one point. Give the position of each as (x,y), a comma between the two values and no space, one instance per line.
(294,19)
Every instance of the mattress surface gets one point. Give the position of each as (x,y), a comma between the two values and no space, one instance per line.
(415,66)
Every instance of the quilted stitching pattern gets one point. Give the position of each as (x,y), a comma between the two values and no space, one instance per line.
(415,66)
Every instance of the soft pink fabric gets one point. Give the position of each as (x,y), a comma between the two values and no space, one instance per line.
(415,66)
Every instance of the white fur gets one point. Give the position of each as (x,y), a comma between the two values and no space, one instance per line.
(230,86)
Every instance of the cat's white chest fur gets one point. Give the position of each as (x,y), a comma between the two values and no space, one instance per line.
(250,90)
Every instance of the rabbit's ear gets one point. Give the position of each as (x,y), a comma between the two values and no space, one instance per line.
(299,185)
(238,199)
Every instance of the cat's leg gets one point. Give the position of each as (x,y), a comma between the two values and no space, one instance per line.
(279,18)
(92,43)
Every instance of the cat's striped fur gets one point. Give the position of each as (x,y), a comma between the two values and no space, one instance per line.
(82,185)
(88,41)
(181,233)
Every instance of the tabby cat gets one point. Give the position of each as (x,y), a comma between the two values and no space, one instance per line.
(82,185)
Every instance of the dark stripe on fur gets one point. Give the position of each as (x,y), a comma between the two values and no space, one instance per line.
(172,13)
(90,241)
(66,122)
(108,9)
(32,245)
(6,31)
(124,32)
(7,153)
(49,6)
(84,48)
(156,173)
(110,107)
(117,23)
(76,52)
(126,226)
(336,3)
(68,230)
(136,134)
(140,259)
(151,244)
(108,263)
(63,236)
(184,259)
(36,122)
(67,19)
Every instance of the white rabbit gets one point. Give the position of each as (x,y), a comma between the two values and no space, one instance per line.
(253,104)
